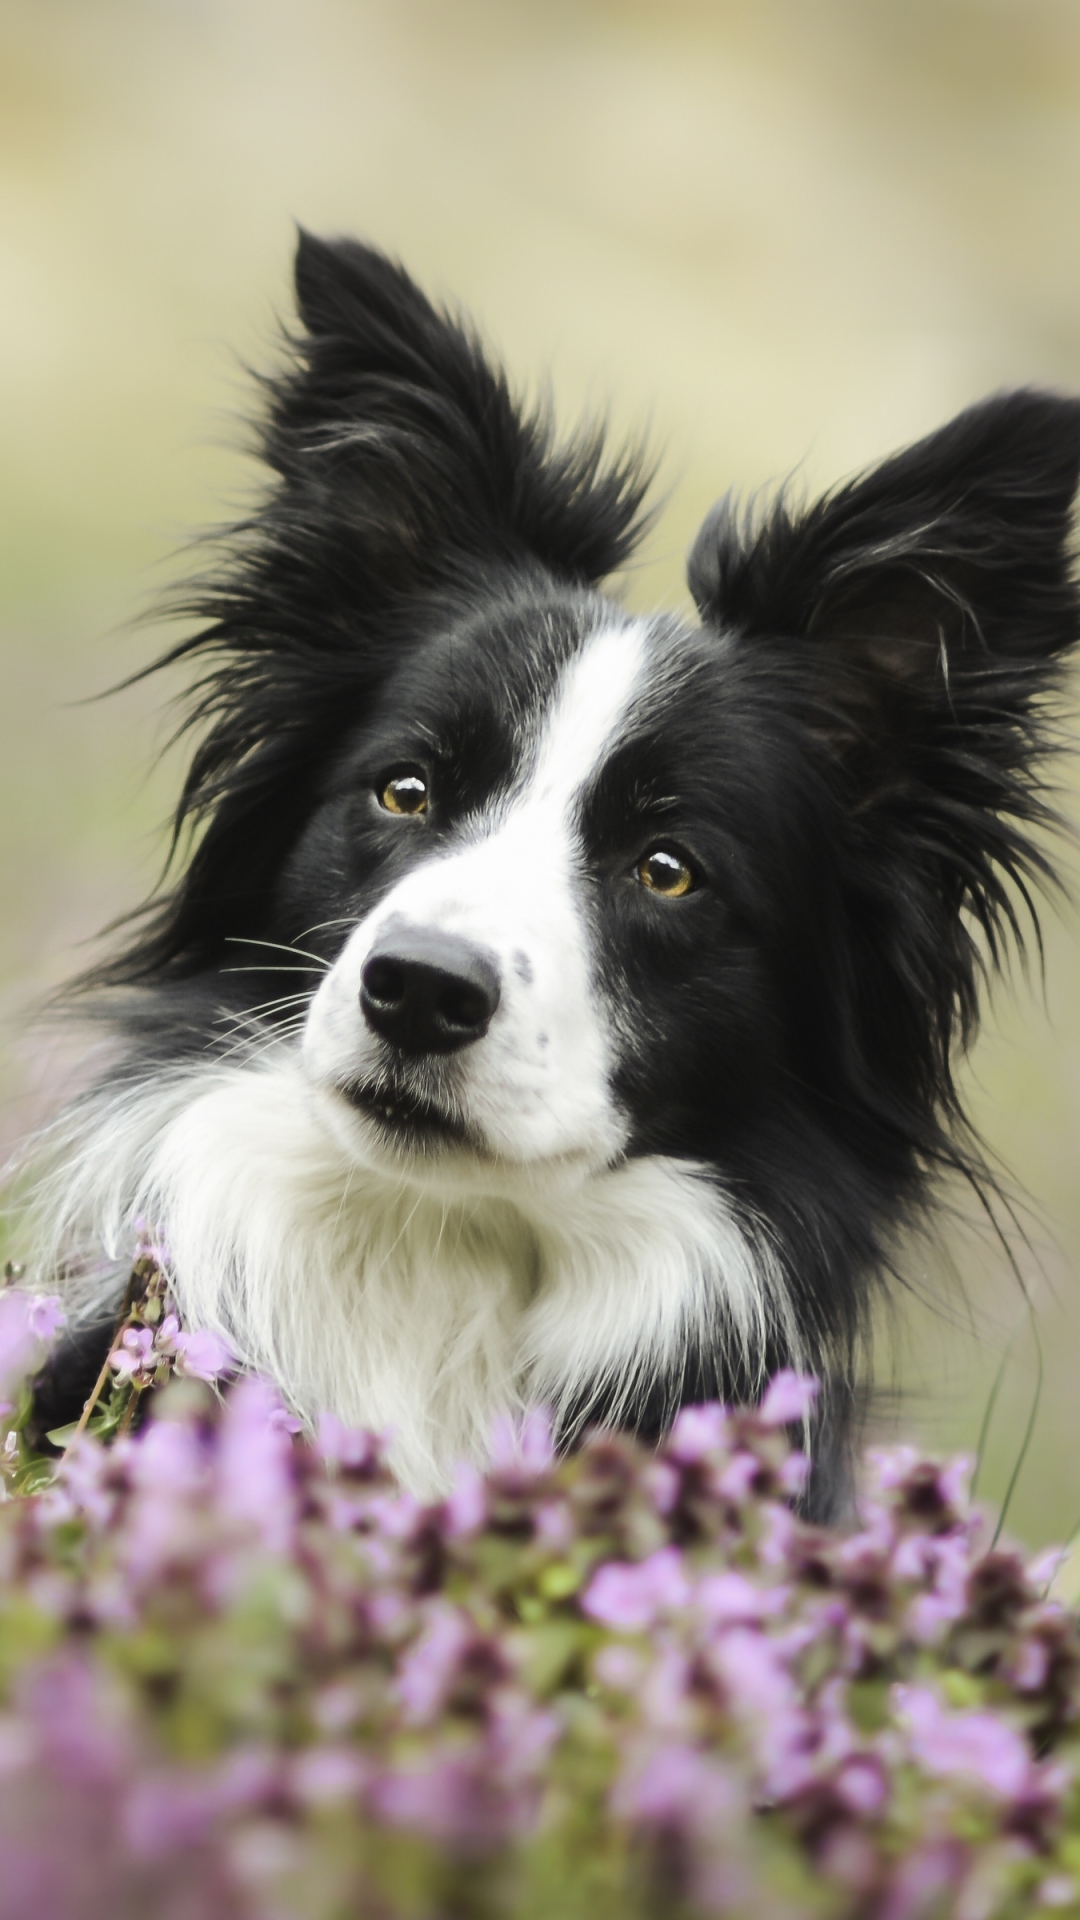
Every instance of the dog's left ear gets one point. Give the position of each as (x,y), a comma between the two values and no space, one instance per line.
(934,592)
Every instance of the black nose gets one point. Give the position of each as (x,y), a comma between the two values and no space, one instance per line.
(428,992)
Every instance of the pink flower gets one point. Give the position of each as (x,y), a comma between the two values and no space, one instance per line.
(1029,1666)
(134,1358)
(726,1598)
(166,1811)
(203,1355)
(522,1447)
(890,1466)
(699,1432)
(465,1509)
(631,1595)
(922,1878)
(789,1399)
(794,1474)
(27,1324)
(619,1667)
(46,1316)
(429,1668)
(674,1785)
(861,1784)
(753,1672)
(255,1464)
(737,1480)
(663,1483)
(664,1693)
(321,1776)
(342,1446)
(954,1480)
(979,1745)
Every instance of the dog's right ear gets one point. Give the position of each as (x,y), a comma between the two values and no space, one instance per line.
(395,415)
(915,625)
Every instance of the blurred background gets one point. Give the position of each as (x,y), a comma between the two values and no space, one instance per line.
(782,234)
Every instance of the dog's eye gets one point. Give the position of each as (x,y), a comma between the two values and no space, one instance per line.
(405,792)
(664,871)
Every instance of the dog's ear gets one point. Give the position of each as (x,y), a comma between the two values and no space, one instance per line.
(395,413)
(914,626)
(939,584)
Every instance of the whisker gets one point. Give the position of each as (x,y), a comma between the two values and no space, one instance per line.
(345,920)
(268,1006)
(244,940)
(271,969)
(249,1044)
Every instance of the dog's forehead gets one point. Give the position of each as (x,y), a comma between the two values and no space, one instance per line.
(554,678)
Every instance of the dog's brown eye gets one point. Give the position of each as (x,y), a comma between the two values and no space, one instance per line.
(664,871)
(405,793)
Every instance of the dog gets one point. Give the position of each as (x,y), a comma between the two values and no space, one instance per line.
(561,1005)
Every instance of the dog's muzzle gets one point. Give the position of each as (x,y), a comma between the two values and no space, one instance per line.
(428,992)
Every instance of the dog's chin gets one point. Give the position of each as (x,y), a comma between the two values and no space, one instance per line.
(393,1130)
(410,1122)
(406,1125)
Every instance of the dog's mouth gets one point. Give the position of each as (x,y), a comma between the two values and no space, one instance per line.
(409,1118)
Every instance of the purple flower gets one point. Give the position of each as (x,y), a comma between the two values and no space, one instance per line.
(348,1447)
(438,1798)
(46,1316)
(890,1466)
(794,1474)
(789,1399)
(134,1357)
(321,1776)
(255,1465)
(727,1598)
(664,1696)
(737,1480)
(921,1878)
(522,1447)
(429,1668)
(861,1784)
(699,1432)
(1029,1666)
(466,1506)
(203,1355)
(663,1482)
(27,1323)
(168,1475)
(619,1667)
(630,1596)
(166,1811)
(980,1746)
(675,1785)
(78,1719)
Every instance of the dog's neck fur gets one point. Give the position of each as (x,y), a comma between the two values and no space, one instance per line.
(395,1308)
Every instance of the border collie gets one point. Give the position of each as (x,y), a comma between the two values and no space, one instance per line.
(558,1004)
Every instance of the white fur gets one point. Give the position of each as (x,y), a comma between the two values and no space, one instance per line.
(428,1291)
(388,1305)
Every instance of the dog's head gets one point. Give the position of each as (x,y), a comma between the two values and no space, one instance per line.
(581,886)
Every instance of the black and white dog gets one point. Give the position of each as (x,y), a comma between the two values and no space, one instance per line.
(562,1005)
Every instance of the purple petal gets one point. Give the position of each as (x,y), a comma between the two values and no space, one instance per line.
(789,1399)
(203,1355)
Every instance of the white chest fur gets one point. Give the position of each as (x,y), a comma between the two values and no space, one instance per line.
(425,1314)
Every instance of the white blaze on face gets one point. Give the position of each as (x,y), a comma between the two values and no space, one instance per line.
(536,1087)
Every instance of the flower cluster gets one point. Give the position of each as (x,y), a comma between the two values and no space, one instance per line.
(243,1673)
